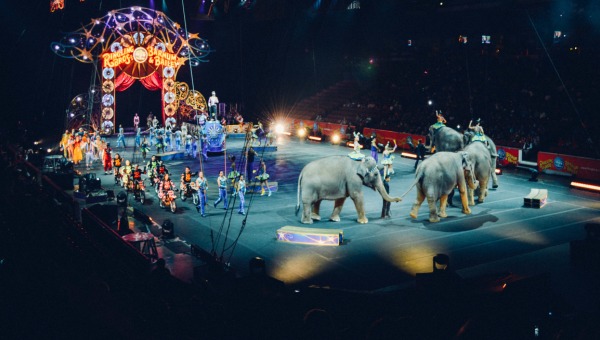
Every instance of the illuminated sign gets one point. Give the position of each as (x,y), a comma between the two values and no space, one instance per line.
(153,56)
(140,55)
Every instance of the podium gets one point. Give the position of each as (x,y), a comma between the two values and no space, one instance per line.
(312,236)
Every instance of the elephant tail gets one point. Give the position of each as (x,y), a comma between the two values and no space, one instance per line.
(298,198)
(418,177)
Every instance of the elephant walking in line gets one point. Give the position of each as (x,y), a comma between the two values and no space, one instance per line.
(437,176)
(491,146)
(335,178)
(445,139)
(482,165)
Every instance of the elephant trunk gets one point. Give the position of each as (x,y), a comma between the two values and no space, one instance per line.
(381,190)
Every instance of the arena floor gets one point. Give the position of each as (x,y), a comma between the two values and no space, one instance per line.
(500,236)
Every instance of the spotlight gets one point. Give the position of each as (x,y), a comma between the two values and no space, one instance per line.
(430,102)
(408,155)
(279,128)
(587,186)
(335,138)
(301,132)
(315,138)
(498,171)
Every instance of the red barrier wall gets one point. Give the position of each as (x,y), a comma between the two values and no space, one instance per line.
(384,136)
(581,167)
(507,156)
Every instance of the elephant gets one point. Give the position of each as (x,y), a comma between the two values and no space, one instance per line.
(491,146)
(437,176)
(445,139)
(482,164)
(335,178)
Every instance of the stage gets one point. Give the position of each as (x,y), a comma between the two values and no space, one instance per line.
(500,236)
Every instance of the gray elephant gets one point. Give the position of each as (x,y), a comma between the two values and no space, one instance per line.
(437,176)
(482,164)
(491,146)
(445,139)
(335,178)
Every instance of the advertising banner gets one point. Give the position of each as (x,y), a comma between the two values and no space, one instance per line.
(581,167)
(507,156)
(401,137)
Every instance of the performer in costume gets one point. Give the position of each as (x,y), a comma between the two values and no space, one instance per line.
(184,130)
(212,105)
(168,145)
(188,145)
(201,186)
(64,141)
(126,172)
(263,177)
(420,151)
(222,185)
(374,148)
(178,139)
(441,121)
(107,160)
(88,149)
(136,121)
(388,159)
(152,131)
(144,148)
(77,154)
(194,147)
(233,174)
(117,162)
(204,142)
(160,146)
(478,130)
(121,138)
(385,210)
(356,154)
(138,137)
(241,189)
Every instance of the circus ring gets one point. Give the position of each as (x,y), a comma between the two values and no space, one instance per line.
(137,44)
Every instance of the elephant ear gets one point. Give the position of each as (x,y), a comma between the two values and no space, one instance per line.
(361,169)
(367,167)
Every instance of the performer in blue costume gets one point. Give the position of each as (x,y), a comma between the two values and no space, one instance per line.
(388,159)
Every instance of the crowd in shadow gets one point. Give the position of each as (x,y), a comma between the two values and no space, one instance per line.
(521,98)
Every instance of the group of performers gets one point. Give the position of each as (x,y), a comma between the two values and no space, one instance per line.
(388,150)
(84,146)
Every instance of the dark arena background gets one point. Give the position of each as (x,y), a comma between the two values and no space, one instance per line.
(86,254)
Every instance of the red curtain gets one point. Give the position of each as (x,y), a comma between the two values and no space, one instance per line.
(123,82)
(152,82)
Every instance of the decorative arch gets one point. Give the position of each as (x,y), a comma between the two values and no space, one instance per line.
(136,44)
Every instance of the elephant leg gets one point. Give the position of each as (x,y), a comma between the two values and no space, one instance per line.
(315,211)
(360,207)
(337,208)
(415,208)
(471,196)
(464,200)
(433,213)
(494,179)
(306,212)
(443,202)
(482,190)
